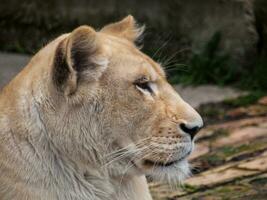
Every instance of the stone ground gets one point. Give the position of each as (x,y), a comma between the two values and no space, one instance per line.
(11,64)
(230,159)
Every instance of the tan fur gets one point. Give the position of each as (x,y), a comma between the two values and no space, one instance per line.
(74,124)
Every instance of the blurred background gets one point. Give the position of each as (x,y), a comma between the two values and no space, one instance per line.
(214,52)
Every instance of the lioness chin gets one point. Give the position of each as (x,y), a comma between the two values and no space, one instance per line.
(89,117)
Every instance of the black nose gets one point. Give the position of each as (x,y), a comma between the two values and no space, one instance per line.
(192,131)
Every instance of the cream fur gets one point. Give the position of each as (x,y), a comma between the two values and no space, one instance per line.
(84,132)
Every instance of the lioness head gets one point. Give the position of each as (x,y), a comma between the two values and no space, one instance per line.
(105,104)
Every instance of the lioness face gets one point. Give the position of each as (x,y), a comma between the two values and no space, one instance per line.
(150,129)
(148,117)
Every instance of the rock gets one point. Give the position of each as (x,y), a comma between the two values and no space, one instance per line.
(10,65)
(241,135)
(255,164)
(263,101)
(236,124)
(238,112)
(190,23)
(206,94)
(200,149)
(255,110)
(233,18)
(245,189)
(260,7)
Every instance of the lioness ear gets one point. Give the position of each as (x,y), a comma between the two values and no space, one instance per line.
(77,58)
(126,28)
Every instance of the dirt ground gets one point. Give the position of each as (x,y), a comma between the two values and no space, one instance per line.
(230,159)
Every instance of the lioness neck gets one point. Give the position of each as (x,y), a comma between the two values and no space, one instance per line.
(35,168)
(134,189)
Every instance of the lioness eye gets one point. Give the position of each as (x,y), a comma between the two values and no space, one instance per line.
(143,84)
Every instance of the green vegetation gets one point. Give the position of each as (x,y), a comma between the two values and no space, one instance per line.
(216,134)
(259,181)
(212,111)
(208,66)
(211,66)
(189,188)
(246,100)
(213,160)
(256,79)
(227,153)
(238,189)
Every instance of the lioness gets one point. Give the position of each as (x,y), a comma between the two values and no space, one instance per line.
(89,117)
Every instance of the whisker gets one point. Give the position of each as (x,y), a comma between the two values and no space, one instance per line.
(127,153)
(130,145)
(160,48)
(169,59)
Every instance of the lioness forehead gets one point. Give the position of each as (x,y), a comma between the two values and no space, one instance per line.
(126,51)
(155,66)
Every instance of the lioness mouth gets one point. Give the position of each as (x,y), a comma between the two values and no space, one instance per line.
(161,164)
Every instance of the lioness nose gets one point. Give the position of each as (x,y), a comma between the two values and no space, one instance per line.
(192,130)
